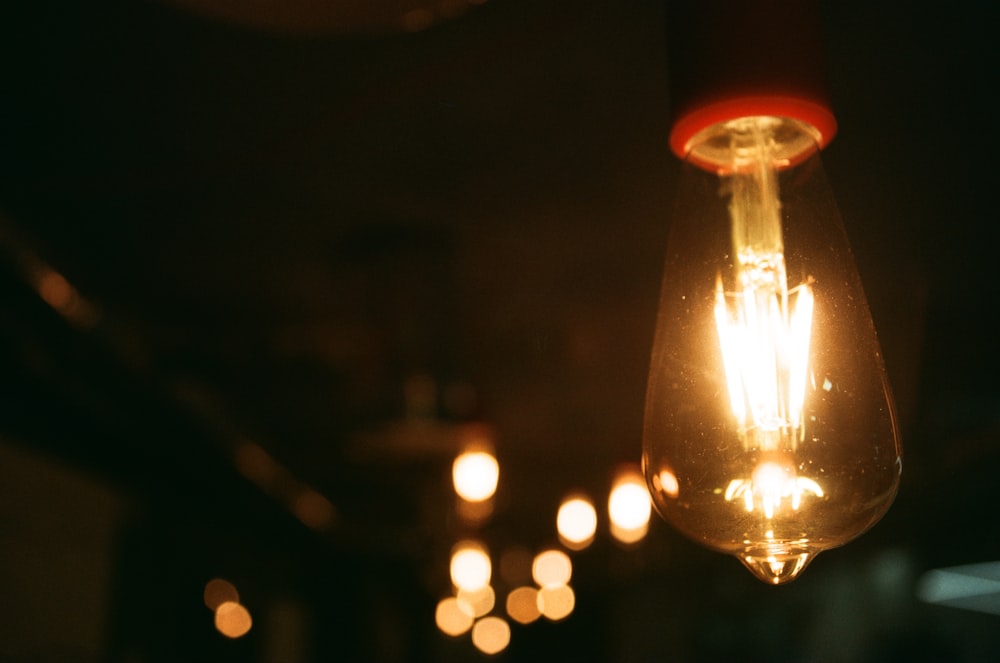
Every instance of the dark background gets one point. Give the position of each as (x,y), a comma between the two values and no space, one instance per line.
(259,262)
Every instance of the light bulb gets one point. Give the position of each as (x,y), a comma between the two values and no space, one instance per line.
(769,431)
(769,428)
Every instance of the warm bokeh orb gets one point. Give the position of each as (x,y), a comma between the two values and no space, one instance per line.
(470,566)
(551,568)
(232,620)
(576,522)
(491,635)
(452,616)
(475,475)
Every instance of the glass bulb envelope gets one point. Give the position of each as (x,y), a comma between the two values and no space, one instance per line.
(769,429)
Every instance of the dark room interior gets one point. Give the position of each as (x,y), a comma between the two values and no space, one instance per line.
(265,265)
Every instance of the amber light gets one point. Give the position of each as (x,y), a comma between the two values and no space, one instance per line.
(233,620)
(522,605)
(471,568)
(629,507)
(453,617)
(556,602)
(479,601)
(551,567)
(769,430)
(491,635)
(475,475)
(576,522)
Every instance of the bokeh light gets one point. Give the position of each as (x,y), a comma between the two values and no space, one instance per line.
(491,635)
(479,601)
(253,462)
(452,616)
(219,591)
(56,290)
(522,605)
(313,510)
(58,293)
(232,620)
(629,506)
(470,566)
(576,522)
(556,602)
(551,568)
(475,475)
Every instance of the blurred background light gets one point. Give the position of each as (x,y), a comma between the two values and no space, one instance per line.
(576,522)
(491,635)
(452,616)
(475,475)
(232,620)
(552,568)
(556,602)
(471,568)
(522,605)
(313,509)
(629,506)
(478,601)
(60,294)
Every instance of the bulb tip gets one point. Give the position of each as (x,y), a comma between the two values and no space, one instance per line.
(777,569)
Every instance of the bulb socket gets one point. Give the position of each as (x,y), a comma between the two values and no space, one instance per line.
(729,60)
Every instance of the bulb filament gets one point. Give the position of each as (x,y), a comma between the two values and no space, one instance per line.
(764,328)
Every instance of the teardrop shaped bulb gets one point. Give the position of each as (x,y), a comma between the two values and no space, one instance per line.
(769,430)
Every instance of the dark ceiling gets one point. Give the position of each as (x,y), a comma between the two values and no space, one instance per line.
(326,235)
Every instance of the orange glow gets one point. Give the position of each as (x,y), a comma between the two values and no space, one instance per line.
(232,620)
(629,507)
(314,510)
(56,290)
(552,568)
(475,475)
(256,464)
(576,522)
(479,601)
(470,566)
(58,293)
(491,635)
(522,605)
(452,616)
(768,403)
(219,591)
(556,602)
